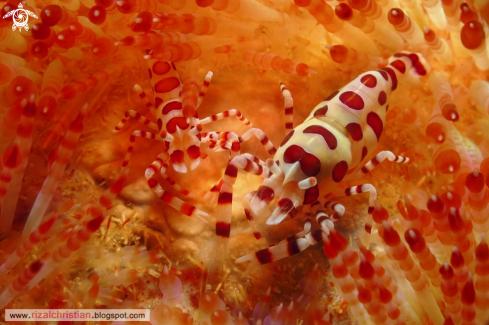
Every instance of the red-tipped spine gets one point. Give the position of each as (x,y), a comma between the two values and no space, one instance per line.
(463,240)
(343,278)
(460,270)
(426,259)
(482,280)
(450,292)
(438,214)
(478,200)
(468,298)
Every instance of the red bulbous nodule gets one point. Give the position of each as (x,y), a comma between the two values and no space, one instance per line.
(329,250)
(143,22)
(364,295)
(415,240)
(51,15)
(390,236)
(475,181)
(456,259)
(366,269)
(380,214)
(451,199)
(446,271)
(97,15)
(455,220)
(482,250)
(468,291)
(40,31)
(66,39)
(343,11)
(435,205)
(337,240)
(39,50)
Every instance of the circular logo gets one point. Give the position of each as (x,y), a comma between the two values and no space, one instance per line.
(20,17)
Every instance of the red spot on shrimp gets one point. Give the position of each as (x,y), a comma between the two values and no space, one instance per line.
(310,164)
(383,74)
(265,193)
(375,122)
(170,107)
(418,66)
(176,156)
(193,152)
(311,195)
(355,131)
(172,124)
(369,80)
(160,68)
(322,111)
(325,133)
(339,171)
(158,101)
(287,138)
(167,85)
(285,204)
(399,65)
(382,97)
(364,152)
(352,100)
(393,76)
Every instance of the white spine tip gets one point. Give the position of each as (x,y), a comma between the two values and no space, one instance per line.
(307,183)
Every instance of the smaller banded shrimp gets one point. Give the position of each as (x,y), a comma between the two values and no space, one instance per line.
(178,125)
(331,146)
